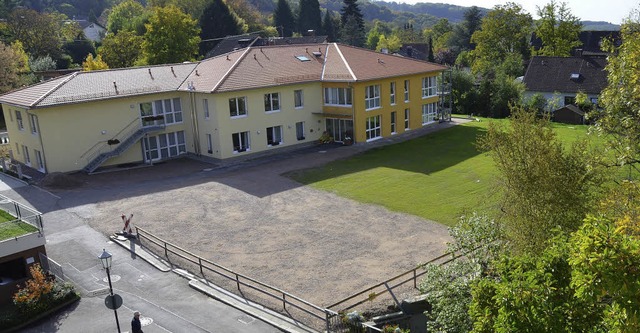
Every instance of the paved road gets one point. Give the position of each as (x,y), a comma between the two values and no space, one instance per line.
(165,300)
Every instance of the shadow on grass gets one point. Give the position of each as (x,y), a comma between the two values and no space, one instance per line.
(427,154)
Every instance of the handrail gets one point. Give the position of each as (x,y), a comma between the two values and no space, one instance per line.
(232,275)
(98,148)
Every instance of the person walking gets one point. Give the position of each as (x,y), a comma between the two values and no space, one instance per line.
(136,326)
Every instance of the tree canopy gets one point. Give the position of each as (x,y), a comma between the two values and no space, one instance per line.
(122,49)
(171,37)
(217,21)
(558,29)
(309,16)
(283,19)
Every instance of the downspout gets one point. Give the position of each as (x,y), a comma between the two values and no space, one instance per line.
(353,113)
(194,123)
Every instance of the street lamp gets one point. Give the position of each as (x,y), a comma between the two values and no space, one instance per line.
(105,258)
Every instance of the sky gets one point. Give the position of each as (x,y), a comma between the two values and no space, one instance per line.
(612,11)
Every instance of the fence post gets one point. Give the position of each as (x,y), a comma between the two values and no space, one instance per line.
(284,302)
(415,278)
(327,319)
(200,263)
(166,252)
(237,281)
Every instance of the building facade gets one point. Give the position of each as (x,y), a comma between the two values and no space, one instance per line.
(254,100)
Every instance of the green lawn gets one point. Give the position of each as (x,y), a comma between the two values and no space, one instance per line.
(10,228)
(438,176)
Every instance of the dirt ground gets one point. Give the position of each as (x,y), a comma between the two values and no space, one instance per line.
(249,218)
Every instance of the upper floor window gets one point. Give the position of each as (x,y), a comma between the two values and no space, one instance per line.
(392,93)
(429,86)
(238,106)
(406,90)
(272,102)
(33,122)
(298,99)
(372,97)
(19,120)
(337,96)
(168,109)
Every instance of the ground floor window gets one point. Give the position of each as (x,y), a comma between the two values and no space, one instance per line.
(429,113)
(339,129)
(393,122)
(373,127)
(240,142)
(25,152)
(274,135)
(39,161)
(164,146)
(209,144)
(406,119)
(300,130)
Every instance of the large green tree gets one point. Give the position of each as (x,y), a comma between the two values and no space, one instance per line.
(10,63)
(172,36)
(40,34)
(351,8)
(352,24)
(503,31)
(330,26)
(122,49)
(309,16)
(129,15)
(558,29)
(464,30)
(217,21)
(283,19)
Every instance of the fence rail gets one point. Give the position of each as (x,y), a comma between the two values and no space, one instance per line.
(22,212)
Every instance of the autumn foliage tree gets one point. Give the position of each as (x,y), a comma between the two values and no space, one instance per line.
(36,291)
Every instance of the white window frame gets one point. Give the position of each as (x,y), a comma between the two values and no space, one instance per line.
(373,128)
(336,96)
(244,142)
(274,135)
(25,153)
(209,143)
(300,133)
(33,122)
(236,102)
(394,118)
(271,102)
(205,108)
(429,87)
(298,99)
(19,120)
(406,90)
(429,113)
(392,93)
(407,118)
(372,97)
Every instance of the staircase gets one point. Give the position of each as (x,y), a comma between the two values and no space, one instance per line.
(103,151)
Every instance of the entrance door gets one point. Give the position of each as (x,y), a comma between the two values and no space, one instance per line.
(150,146)
(339,129)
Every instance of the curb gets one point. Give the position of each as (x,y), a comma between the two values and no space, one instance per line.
(155,261)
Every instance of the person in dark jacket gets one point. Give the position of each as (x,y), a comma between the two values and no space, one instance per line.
(136,327)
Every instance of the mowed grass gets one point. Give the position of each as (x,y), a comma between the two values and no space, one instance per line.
(10,228)
(439,177)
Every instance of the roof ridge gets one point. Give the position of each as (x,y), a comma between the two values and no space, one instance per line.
(56,87)
(345,62)
(231,69)
(324,63)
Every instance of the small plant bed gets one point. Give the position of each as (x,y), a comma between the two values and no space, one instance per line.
(11,227)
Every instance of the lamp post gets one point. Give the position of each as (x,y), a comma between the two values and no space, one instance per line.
(105,258)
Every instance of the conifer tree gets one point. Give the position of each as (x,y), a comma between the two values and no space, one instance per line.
(217,21)
(283,19)
(352,30)
(309,16)
(328,27)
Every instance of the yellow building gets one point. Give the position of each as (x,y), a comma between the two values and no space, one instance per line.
(253,100)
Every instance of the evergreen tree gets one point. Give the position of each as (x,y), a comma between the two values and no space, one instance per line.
(430,56)
(351,9)
(283,19)
(462,32)
(217,21)
(309,16)
(351,33)
(329,27)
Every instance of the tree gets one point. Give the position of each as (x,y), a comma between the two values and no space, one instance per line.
(463,91)
(39,33)
(351,33)
(620,113)
(78,49)
(391,44)
(121,50)
(462,32)
(379,28)
(91,64)
(351,9)
(10,62)
(558,29)
(35,291)
(503,31)
(430,56)
(128,15)
(247,14)
(542,185)
(329,27)
(172,36)
(309,16)
(284,20)
(217,21)
(192,7)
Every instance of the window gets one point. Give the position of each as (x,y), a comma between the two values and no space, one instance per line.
(274,135)
(406,90)
(337,96)
(373,127)
(300,130)
(393,122)
(33,122)
(238,106)
(272,102)
(298,99)
(406,119)
(429,87)
(205,108)
(392,93)
(171,144)
(569,100)
(19,120)
(25,152)
(209,144)
(39,161)
(168,109)
(429,112)
(372,97)
(302,58)
(240,142)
